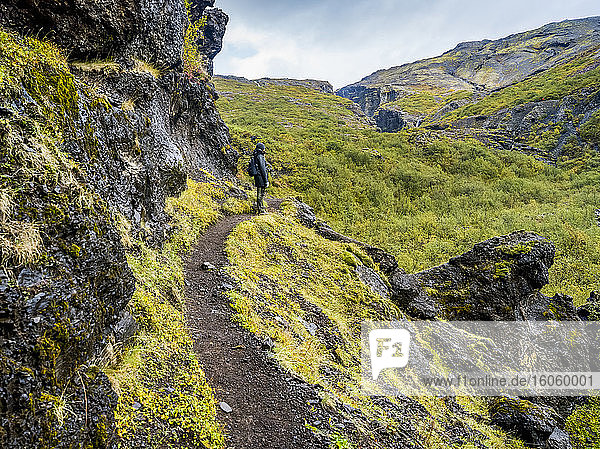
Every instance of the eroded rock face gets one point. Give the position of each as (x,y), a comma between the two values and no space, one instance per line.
(480,66)
(151,135)
(150,30)
(159,39)
(96,28)
(58,309)
(117,141)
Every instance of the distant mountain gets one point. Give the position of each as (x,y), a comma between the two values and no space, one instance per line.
(321,86)
(557,62)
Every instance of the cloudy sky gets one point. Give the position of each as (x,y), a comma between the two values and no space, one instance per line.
(343,40)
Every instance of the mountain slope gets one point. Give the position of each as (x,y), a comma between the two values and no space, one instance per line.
(558,62)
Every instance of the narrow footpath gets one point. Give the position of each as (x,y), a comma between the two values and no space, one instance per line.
(261,405)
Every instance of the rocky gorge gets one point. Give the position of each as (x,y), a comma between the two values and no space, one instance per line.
(107,115)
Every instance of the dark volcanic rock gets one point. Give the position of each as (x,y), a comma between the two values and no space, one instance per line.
(86,147)
(498,279)
(150,30)
(159,39)
(540,116)
(56,312)
(89,28)
(212,35)
(393,120)
(536,425)
(145,149)
(388,120)
(590,311)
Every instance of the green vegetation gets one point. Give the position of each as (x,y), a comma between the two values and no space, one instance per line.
(194,62)
(290,276)
(426,202)
(590,131)
(427,102)
(584,425)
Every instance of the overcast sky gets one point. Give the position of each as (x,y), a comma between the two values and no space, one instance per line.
(342,41)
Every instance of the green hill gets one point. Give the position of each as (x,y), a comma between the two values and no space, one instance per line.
(423,197)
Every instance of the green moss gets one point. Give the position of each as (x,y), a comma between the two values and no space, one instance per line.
(502,269)
(517,249)
(194,62)
(583,425)
(161,371)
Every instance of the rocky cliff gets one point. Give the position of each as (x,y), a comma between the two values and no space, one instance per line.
(88,149)
(530,71)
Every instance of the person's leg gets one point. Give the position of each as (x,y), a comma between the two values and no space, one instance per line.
(260,194)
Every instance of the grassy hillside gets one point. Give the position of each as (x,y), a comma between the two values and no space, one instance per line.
(553,84)
(423,202)
(289,278)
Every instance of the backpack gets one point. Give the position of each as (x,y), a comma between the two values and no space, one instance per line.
(252,170)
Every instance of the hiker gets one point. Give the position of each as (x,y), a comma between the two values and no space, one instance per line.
(258,169)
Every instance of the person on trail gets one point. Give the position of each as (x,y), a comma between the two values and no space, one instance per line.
(261,178)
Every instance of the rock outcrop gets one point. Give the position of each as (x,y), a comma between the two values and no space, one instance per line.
(498,279)
(211,40)
(89,150)
(89,29)
(483,65)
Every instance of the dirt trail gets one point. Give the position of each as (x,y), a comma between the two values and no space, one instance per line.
(269,406)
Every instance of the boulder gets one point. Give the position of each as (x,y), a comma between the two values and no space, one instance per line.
(590,310)
(536,425)
(498,279)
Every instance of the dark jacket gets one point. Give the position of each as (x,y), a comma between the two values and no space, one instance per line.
(261,179)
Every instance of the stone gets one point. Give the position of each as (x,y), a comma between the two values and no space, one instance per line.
(498,279)
(207,266)
(89,29)
(305,214)
(267,344)
(225,407)
(534,424)
(373,280)
(590,310)
(558,439)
